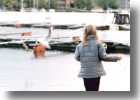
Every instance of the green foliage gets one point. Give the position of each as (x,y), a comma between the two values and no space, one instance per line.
(9,4)
(28,3)
(107,3)
(1,2)
(114,4)
(53,4)
(43,4)
(84,4)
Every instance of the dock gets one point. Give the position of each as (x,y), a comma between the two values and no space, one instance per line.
(68,45)
(63,40)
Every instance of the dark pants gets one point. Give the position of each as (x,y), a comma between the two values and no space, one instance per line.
(92,84)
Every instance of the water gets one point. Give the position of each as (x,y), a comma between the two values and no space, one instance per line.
(58,71)
(39,32)
(21,71)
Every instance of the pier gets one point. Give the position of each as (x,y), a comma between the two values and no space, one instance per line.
(62,45)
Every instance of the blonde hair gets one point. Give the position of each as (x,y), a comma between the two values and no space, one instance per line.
(89,30)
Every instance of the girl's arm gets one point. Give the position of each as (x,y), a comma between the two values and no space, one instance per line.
(104,56)
(77,54)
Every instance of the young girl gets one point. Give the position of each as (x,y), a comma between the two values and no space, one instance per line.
(90,52)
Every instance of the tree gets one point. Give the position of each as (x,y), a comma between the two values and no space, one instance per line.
(28,3)
(9,4)
(16,5)
(114,4)
(53,4)
(89,4)
(105,4)
(43,4)
(84,4)
(48,4)
(1,3)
